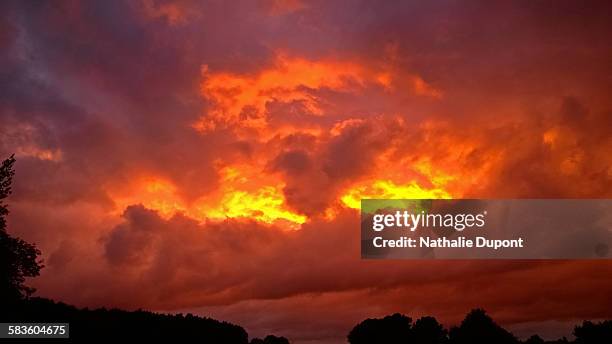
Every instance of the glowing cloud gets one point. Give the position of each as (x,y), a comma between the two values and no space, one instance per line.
(237,197)
(240,197)
(242,100)
(387,189)
(152,192)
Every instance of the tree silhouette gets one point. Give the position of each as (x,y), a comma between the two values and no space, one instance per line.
(392,329)
(18,259)
(535,339)
(478,327)
(427,330)
(591,333)
(270,339)
(398,328)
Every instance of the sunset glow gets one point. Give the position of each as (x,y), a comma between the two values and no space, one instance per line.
(211,157)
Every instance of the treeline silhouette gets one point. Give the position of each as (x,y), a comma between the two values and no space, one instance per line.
(94,325)
(20,259)
(476,328)
(106,324)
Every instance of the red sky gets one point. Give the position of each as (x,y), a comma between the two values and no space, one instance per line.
(208,157)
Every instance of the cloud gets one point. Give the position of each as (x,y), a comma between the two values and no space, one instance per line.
(222,262)
(284,7)
(210,156)
(174,13)
(242,101)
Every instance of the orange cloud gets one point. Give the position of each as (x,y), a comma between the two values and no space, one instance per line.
(24,138)
(242,100)
(237,197)
(39,153)
(152,192)
(175,13)
(424,89)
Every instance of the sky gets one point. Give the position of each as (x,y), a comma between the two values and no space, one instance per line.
(209,157)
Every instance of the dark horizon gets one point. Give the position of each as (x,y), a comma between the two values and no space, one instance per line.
(108,324)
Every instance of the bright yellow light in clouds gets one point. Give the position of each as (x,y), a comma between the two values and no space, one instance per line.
(435,176)
(386,189)
(245,192)
(266,205)
(241,195)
